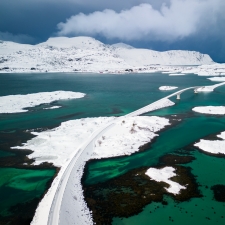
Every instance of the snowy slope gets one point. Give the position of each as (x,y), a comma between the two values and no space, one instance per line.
(145,57)
(84,43)
(85,54)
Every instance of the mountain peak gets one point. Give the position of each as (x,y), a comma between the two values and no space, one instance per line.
(122,45)
(68,42)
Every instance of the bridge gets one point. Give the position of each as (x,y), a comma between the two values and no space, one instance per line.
(61,211)
(198,89)
(154,105)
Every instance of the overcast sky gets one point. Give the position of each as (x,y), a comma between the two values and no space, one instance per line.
(156,24)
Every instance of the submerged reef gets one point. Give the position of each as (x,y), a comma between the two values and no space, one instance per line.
(127,195)
(219,192)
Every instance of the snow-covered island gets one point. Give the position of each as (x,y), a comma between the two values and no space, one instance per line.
(85,54)
(164,175)
(209,88)
(176,74)
(167,88)
(123,138)
(213,110)
(217,79)
(213,147)
(18,103)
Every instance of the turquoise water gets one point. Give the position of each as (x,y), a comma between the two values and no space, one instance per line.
(115,95)
(21,185)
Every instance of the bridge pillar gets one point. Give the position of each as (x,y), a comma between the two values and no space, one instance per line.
(178,96)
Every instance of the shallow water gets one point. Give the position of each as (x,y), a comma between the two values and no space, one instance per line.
(205,210)
(114,95)
(21,185)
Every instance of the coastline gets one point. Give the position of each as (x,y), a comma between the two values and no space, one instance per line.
(211,70)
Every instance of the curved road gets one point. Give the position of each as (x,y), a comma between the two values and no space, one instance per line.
(53,218)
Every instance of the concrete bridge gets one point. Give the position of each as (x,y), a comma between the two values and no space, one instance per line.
(59,212)
(180,92)
(161,103)
(197,89)
(157,104)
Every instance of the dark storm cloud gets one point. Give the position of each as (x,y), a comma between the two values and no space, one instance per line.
(157,24)
(179,19)
(38,18)
(19,38)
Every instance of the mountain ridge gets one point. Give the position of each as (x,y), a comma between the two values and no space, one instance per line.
(86,54)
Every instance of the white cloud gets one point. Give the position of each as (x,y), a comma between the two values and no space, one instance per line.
(179,19)
(19,38)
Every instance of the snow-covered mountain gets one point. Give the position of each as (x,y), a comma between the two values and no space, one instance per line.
(85,54)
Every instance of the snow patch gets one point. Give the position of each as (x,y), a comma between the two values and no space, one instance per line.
(54,107)
(167,88)
(164,175)
(213,110)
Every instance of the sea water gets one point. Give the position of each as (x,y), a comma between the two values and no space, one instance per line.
(116,95)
